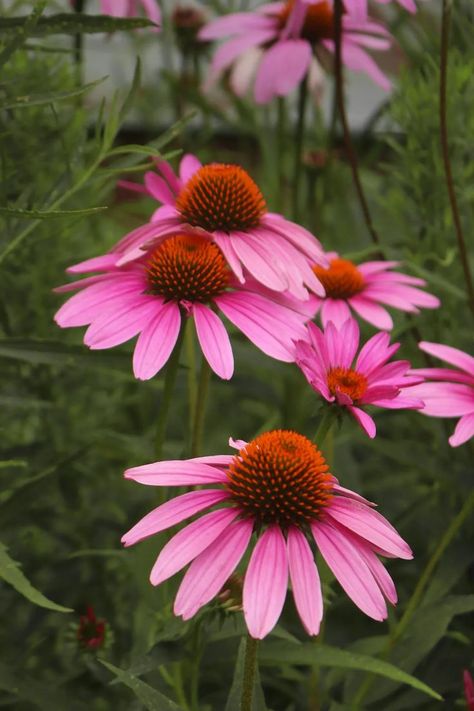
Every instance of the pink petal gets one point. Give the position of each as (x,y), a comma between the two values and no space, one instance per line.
(350,569)
(305,581)
(265,583)
(172,512)
(372,312)
(282,68)
(209,572)
(348,493)
(156,342)
(445,399)
(379,572)
(168,174)
(177,472)
(335,310)
(117,326)
(224,242)
(96,264)
(375,353)
(235,23)
(214,341)
(259,260)
(451,355)
(188,166)
(364,420)
(190,542)
(158,188)
(464,430)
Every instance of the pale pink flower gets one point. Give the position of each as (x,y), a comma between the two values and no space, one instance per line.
(327,361)
(223,203)
(277,497)
(290,39)
(453,394)
(185,275)
(364,287)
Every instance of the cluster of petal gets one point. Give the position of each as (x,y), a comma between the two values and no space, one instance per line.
(451,394)
(348,536)
(378,284)
(276,252)
(116,305)
(280,55)
(327,361)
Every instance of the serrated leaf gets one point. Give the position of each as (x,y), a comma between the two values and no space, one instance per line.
(235,694)
(48,214)
(326,656)
(40,99)
(10,572)
(151,699)
(68,24)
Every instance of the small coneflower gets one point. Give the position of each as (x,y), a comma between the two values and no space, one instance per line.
(452,393)
(185,275)
(91,630)
(287,41)
(327,361)
(225,204)
(276,496)
(364,288)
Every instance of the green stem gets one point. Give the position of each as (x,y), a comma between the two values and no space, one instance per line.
(281,124)
(445,26)
(417,595)
(351,154)
(192,377)
(323,432)
(170,379)
(298,144)
(200,410)
(250,667)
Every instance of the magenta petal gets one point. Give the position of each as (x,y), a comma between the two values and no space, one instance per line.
(372,312)
(364,420)
(350,569)
(172,512)
(190,542)
(453,356)
(210,570)
(119,325)
(335,310)
(379,572)
(282,68)
(177,472)
(214,341)
(158,188)
(464,430)
(305,581)
(188,166)
(157,341)
(96,264)
(94,300)
(265,583)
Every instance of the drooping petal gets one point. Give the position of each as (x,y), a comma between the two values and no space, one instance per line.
(464,430)
(365,420)
(178,472)
(372,312)
(265,583)
(119,325)
(157,341)
(305,581)
(158,188)
(211,569)
(214,341)
(190,542)
(282,68)
(172,512)
(453,356)
(335,310)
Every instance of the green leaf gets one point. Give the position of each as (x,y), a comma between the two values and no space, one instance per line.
(68,24)
(323,655)
(38,693)
(29,100)
(22,33)
(48,214)
(61,354)
(11,574)
(235,694)
(151,699)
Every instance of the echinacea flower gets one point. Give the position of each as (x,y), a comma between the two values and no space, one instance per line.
(287,41)
(327,361)
(452,393)
(185,275)
(225,204)
(91,630)
(468,689)
(277,496)
(364,287)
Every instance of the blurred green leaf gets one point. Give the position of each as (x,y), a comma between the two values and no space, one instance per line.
(69,24)
(48,214)
(11,574)
(29,100)
(22,32)
(151,699)
(38,693)
(52,353)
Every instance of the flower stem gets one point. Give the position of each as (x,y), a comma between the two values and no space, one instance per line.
(250,667)
(415,599)
(339,78)
(298,144)
(192,376)
(200,409)
(327,420)
(170,379)
(443,119)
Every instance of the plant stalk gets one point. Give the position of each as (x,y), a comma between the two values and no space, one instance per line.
(171,373)
(200,409)
(250,668)
(298,146)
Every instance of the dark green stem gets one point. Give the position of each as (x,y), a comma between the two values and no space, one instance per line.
(351,155)
(250,667)
(78,43)
(170,379)
(327,420)
(445,26)
(420,588)
(200,411)
(298,146)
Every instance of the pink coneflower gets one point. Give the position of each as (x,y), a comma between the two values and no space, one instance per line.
(277,489)
(453,395)
(327,361)
(225,204)
(364,287)
(287,40)
(91,630)
(185,275)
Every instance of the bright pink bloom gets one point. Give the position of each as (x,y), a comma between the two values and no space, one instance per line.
(185,275)
(277,496)
(223,203)
(285,41)
(130,8)
(327,361)
(453,395)
(469,689)
(364,287)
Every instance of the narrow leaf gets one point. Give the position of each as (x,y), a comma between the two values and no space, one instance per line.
(48,214)
(151,699)
(29,100)
(68,24)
